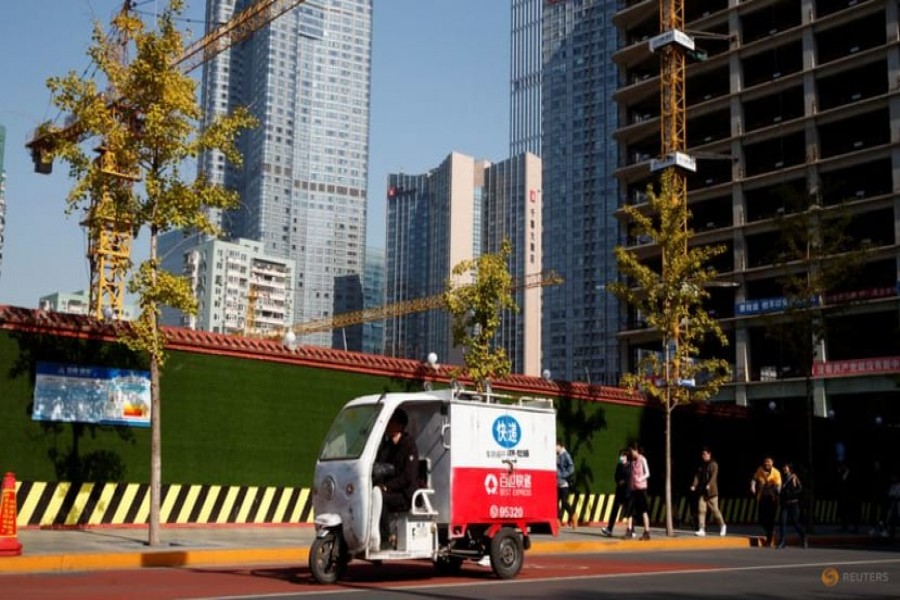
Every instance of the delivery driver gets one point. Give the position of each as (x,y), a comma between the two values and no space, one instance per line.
(397,449)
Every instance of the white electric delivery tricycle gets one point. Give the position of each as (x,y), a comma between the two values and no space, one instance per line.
(487,477)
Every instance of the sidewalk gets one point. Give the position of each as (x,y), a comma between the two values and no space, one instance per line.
(58,550)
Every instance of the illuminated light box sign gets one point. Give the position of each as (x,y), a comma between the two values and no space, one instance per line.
(75,393)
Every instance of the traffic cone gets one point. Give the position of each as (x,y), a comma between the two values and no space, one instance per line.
(9,544)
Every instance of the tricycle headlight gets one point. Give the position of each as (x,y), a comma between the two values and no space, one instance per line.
(327,488)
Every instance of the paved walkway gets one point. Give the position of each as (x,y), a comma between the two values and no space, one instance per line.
(56,550)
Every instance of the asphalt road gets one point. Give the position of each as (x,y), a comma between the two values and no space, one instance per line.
(753,573)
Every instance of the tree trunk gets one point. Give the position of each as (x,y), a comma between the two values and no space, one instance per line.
(155,454)
(155,419)
(810,516)
(669,528)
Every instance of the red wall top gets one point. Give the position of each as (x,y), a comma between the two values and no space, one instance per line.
(186,340)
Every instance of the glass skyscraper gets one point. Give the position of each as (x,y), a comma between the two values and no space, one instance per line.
(580,318)
(2,193)
(303,183)
(433,224)
(525,78)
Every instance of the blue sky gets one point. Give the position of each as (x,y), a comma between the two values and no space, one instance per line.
(439,83)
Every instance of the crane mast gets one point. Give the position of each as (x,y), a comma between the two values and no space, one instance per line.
(671,45)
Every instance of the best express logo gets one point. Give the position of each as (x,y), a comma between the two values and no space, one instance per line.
(507,432)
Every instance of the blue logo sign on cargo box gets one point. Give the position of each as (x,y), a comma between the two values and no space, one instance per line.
(506,431)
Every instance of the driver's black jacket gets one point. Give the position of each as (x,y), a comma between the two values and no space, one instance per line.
(405,457)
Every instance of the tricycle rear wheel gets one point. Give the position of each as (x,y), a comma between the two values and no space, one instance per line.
(507,553)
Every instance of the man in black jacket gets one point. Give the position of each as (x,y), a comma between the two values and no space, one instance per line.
(622,476)
(399,450)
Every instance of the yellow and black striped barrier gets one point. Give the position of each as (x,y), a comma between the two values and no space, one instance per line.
(90,504)
(596,508)
(65,504)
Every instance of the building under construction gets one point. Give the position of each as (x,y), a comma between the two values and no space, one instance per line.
(793,117)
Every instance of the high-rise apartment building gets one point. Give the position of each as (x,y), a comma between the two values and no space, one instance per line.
(2,194)
(78,303)
(303,183)
(456,212)
(239,287)
(580,318)
(794,117)
(525,77)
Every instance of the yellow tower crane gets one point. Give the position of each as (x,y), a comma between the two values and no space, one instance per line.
(110,234)
(672,44)
(405,307)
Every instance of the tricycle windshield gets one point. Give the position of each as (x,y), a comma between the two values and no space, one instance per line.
(348,434)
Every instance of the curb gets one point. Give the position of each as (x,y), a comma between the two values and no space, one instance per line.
(103,561)
(661,543)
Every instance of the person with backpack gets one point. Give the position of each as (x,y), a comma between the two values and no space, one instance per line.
(565,473)
(790,505)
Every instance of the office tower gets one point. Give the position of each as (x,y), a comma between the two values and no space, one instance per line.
(306,77)
(580,317)
(430,228)
(2,195)
(793,117)
(525,77)
(511,210)
(373,296)
(348,298)
(239,288)
(452,213)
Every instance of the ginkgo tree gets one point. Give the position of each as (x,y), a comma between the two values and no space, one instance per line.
(671,298)
(477,294)
(150,129)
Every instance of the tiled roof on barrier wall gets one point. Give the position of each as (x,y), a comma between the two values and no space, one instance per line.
(187,340)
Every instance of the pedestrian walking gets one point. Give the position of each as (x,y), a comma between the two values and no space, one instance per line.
(640,473)
(879,484)
(766,486)
(848,494)
(565,471)
(706,486)
(622,494)
(790,506)
(893,515)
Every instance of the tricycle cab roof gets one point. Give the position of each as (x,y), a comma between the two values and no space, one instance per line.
(454,395)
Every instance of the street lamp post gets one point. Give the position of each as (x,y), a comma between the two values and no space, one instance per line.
(432,361)
(290,340)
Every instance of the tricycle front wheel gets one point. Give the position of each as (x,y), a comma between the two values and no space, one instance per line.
(326,560)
